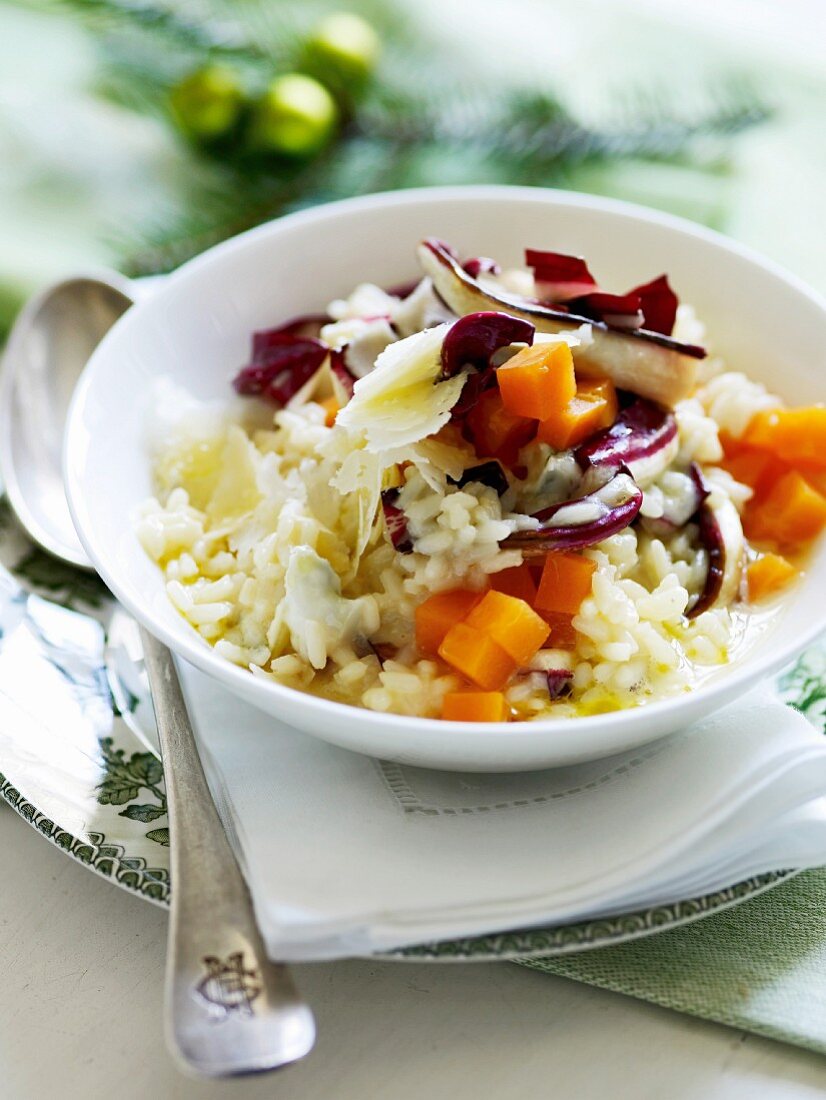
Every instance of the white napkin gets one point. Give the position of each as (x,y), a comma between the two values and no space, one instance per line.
(347,856)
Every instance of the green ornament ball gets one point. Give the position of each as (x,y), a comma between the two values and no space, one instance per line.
(295,117)
(342,51)
(208,103)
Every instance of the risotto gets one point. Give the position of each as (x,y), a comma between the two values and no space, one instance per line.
(486,496)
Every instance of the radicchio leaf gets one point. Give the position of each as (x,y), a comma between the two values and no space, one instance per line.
(403,290)
(305,324)
(643,438)
(659,305)
(473,339)
(282,363)
(711,538)
(721,535)
(680,512)
(559,277)
(560,682)
(396,521)
(481,265)
(584,521)
(701,486)
(616,310)
(343,378)
(486,473)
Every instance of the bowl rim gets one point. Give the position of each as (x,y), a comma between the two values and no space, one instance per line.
(185,642)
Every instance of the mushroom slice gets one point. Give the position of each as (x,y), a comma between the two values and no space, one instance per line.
(646,363)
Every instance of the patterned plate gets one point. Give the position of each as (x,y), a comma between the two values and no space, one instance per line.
(76,765)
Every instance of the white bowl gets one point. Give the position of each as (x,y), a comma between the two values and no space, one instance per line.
(197,329)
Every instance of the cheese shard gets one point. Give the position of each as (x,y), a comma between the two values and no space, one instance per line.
(400,402)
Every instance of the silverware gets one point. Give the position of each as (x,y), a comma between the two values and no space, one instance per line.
(229,1010)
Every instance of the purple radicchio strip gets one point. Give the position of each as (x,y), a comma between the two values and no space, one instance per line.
(343,378)
(560,682)
(473,339)
(643,438)
(721,535)
(659,305)
(486,473)
(282,363)
(558,276)
(681,512)
(305,324)
(396,521)
(481,265)
(589,519)
(616,310)
(711,538)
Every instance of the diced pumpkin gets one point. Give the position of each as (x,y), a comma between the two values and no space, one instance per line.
(438,613)
(816,478)
(511,623)
(475,706)
(756,468)
(566,581)
(538,380)
(477,656)
(767,575)
(795,435)
(791,514)
(517,581)
(496,432)
(562,635)
(592,408)
(331,409)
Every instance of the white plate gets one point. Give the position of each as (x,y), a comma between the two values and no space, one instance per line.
(197,328)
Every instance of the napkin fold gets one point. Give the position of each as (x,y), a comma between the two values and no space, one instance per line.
(345,855)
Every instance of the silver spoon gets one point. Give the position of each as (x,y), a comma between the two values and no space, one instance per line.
(229,1010)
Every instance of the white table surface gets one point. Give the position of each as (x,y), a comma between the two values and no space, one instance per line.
(81,967)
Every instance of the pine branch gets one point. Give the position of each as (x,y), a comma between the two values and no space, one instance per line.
(538,128)
(190,26)
(423,121)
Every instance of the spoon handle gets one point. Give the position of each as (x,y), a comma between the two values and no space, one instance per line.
(229,1010)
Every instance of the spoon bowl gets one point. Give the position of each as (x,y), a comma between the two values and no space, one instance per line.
(52,342)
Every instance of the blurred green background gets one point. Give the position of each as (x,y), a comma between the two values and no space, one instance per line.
(713,110)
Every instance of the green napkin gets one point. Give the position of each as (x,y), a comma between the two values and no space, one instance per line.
(760,966)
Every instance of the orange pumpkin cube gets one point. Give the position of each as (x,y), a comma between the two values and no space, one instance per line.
(755,468)
(477,656)
(537,380)
(767,575)
(438,613)
(566,581)
(475,706)
(791,514)
(563,635)
(795,435)
(511,623)
(816,478)
(496,432)
(517,582)
(593,407)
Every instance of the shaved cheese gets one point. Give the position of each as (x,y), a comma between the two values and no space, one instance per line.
(399,401)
